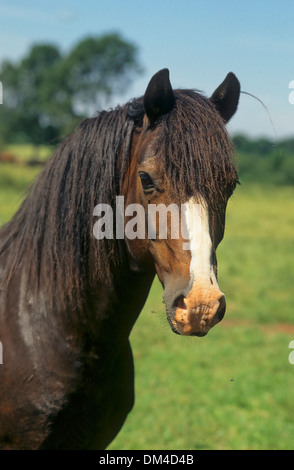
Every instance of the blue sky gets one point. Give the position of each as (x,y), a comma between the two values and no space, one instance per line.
(200,41)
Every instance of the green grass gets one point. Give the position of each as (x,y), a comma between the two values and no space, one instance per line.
(232,389)
(256,256)
(15,178)
(14,181)
(26,152)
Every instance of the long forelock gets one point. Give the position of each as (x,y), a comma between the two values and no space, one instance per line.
(196,149)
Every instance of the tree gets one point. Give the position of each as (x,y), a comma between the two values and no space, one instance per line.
(48,92)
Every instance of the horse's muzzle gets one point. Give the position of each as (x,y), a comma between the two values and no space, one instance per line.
(196,313)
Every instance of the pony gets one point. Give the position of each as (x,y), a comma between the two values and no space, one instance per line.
(68,301)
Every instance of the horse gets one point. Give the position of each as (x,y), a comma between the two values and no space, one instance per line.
(68,301)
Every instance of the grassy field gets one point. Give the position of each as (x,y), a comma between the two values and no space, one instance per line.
(234,388)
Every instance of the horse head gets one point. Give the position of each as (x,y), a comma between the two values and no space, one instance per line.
(183,173)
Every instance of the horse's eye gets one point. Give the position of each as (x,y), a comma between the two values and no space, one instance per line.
(146,181)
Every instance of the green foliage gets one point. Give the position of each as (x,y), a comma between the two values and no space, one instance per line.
(263,161)
(48,92)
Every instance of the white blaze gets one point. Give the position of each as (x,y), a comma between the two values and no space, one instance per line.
(196,221)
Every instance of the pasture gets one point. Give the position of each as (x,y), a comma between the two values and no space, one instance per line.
(232,389)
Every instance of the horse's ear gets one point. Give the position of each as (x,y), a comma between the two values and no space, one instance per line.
(226,97)
(159,97)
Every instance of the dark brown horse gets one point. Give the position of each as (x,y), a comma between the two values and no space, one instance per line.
(69,301)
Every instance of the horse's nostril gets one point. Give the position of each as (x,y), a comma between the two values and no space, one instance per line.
(179,302)
(222,308)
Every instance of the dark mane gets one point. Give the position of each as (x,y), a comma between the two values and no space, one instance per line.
(55,222)
(53,227)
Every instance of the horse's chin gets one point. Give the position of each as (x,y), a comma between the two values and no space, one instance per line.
(199,334)
(174,329)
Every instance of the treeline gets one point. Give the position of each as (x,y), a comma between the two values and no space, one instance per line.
(48,91)
(265,161)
